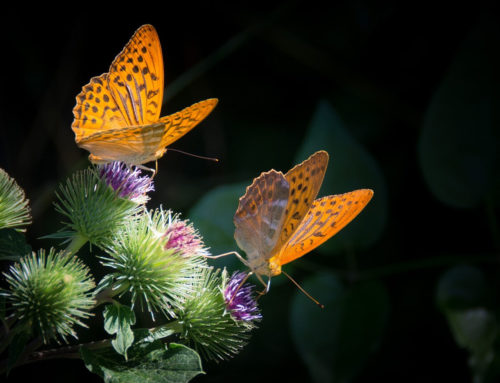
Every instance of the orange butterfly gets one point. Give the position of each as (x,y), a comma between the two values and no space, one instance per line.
(117,115)
(278,219)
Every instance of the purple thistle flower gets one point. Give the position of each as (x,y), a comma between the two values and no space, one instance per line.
(239,299)
(126,182)
(183,238)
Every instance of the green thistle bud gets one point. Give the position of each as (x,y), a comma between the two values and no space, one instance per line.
(94,209)
(50,294)
(162,278)
(14,208)
(207,323)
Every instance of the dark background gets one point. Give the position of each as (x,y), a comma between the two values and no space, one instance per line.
(270,65)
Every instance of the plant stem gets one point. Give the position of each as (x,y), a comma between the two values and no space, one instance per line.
(76,243)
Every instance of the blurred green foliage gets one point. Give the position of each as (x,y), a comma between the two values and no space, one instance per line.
(404,98)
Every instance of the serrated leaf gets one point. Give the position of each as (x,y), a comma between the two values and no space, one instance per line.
(13,245)
(460,136)
(351,167)
(336,342)
(118,320)
(147,363)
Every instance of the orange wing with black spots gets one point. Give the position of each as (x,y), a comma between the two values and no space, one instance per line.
(327,216)
(136,78)
(274,230)
(116,116)
(305,181)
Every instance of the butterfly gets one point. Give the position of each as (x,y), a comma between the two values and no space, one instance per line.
(117,114)
(279,220)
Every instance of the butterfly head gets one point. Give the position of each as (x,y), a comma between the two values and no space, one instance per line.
(267,267)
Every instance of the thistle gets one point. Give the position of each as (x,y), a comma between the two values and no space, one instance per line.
(94,209)
(156,276)
(126,182)
(14,208)
(50,294)
(183,238)
(239,298)
(209,325)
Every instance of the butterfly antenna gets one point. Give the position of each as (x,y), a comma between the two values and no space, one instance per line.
(304,291)
(194,155)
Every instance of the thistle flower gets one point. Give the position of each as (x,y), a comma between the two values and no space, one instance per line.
(126,182)
(183,238)
(239,298)
(50,294)
(14,208)
(206,323)
(95,210)
(154,275)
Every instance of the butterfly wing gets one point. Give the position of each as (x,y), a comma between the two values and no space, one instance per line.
(178,124)
(327,216)
(130,94)
(134,145)
(260,216)
(137,145)
(135,78)
(95,110)
(305,181)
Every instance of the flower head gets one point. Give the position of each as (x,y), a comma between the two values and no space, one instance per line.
(239,298)
(155,276)
(14,208)
(126,182)
(50,294)
(206,323)
(183,238)
(92,207)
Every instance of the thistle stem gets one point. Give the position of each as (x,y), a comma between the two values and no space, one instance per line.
(107,295)
(76,243)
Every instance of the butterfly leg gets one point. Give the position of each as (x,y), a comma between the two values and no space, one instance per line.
(153,171)
(243,260)
(239,287)
(267,286)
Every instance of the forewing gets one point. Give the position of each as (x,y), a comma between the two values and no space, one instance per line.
(305,181)
(178,124)
(260,215)
(95,110)
(136,77)
(327,216)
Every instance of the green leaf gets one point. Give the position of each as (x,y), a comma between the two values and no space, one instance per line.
(351,167)
(336,342)
(463,296)
(475,330)
(460,135)
(13,245)
(213,217)
(150,335)
(16,348)
(147,363)
(118,320)
(462,287)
